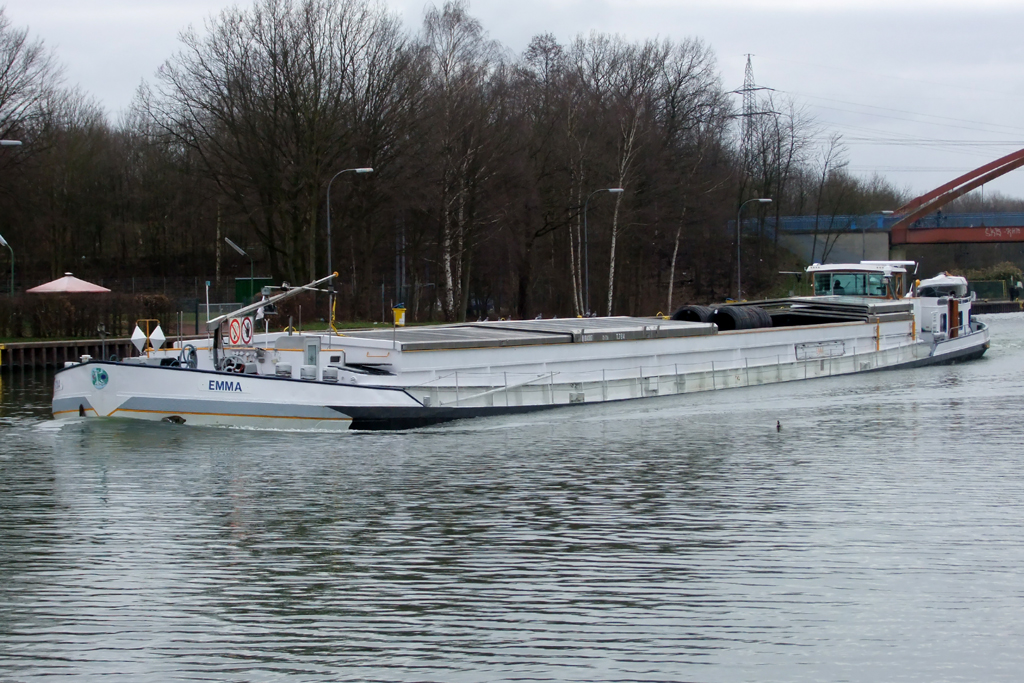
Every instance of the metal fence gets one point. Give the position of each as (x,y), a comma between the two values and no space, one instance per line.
(871,222)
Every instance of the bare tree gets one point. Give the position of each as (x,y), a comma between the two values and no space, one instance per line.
(29,75)
(262,98)
(482,163)
(692,111)
(465,67)
(830,162)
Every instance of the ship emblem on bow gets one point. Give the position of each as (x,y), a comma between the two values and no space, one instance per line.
(100,378)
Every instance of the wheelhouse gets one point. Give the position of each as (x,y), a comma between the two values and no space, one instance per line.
(942,285)
(874,279)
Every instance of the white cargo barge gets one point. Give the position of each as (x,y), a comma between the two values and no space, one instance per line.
(410,377)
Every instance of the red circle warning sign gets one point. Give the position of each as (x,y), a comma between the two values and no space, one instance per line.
(247,331)
(234,331)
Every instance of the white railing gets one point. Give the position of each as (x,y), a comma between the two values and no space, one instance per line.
(551,387)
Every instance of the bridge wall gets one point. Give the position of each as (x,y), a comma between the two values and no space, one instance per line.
(935,258)
(848,248)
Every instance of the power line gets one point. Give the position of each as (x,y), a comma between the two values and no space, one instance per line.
(927,123)
(889,76)
(926,142)
(906,169)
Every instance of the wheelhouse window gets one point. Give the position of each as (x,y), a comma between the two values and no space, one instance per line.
(849,284)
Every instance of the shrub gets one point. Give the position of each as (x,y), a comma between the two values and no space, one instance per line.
(56,316)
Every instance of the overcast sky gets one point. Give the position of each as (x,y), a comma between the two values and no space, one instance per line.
(921,91)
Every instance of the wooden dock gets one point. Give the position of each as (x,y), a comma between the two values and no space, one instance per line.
(53,354)
(981,307)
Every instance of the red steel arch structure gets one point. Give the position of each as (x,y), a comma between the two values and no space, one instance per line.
(900,232)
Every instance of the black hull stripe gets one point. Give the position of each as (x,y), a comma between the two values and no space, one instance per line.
(380,418)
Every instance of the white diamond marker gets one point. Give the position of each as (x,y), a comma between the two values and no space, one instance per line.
(139,339)
(157,338)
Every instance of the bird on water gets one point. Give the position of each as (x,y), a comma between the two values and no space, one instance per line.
(778,426)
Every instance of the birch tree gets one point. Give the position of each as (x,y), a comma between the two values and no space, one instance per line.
(462,59)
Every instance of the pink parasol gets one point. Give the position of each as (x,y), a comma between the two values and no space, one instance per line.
(69,284)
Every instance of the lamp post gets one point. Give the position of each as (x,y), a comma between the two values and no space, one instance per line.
(252,268)
(586,242)
(3,242)
(739,267)
(330,271)
(863,239)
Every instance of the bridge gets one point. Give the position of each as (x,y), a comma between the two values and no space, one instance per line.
(939,242)
(908,227)
(919,225)
(960,228)
(940,228)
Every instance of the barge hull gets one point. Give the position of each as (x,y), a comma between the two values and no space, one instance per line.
(919,355)
(445,374)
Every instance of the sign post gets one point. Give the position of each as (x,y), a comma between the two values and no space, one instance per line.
(398,320)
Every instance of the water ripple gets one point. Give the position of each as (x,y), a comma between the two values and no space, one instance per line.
(878,536)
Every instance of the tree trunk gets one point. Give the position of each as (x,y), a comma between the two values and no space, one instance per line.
(446,261)
(464,300)
(525,273)
(611,257)
(672,269)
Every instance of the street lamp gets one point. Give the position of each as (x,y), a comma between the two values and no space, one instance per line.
(739,268)
(586,245)
(4,243)
(330,271)
(863,239)
(252,268)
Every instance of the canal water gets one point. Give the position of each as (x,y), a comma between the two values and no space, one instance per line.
(879,535)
